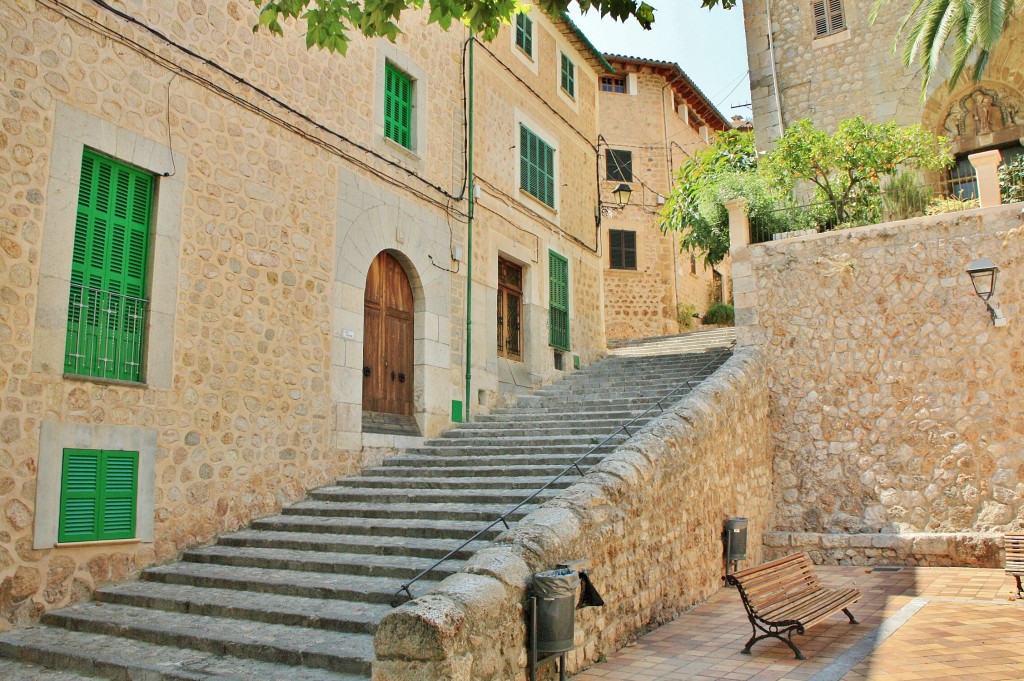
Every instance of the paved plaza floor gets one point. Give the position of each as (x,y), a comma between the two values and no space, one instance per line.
(918,623)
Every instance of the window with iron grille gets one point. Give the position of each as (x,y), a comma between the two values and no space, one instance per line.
(612,84)
(98,494)
(558,301)
(829,17)
(536,166)
(568,76)
(619,165)
(398,106)
(622,249)
(510,310)
(106,308)
(524,34)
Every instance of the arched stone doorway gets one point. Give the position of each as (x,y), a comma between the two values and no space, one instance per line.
(388,339)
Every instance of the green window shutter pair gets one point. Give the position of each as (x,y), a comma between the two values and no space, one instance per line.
(568,75)
(397,106)
(536,166)
(106,311)
(98,492)
(558,302)
(524,34)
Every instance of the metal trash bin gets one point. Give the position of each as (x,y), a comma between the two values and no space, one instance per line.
(736,539)
(555,591)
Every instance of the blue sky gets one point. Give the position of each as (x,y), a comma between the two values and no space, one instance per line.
(708,45)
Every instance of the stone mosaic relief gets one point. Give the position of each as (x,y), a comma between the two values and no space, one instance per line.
(983,111)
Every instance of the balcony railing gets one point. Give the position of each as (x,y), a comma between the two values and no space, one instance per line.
(105,334)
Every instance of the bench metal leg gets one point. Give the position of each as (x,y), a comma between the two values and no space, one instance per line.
(850,615)
(786,636)
(1020,591)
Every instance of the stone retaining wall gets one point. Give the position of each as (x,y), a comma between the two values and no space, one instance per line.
(896,403)
(649,518)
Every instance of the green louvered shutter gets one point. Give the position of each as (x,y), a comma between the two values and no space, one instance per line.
(558,300)
(98,494)
(117,495)
(524,34)
(79,496)
(536,166)
(568,76)
(106,310)
(397,106)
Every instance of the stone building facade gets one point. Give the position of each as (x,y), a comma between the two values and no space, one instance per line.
(652,118)
(283,226)
(836,64)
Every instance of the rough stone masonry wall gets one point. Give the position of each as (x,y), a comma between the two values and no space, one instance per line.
(649,518)
(896,404)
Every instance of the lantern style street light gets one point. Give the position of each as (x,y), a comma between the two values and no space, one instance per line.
(622,194)
(983,276)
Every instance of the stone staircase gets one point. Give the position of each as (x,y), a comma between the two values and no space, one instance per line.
(297,596)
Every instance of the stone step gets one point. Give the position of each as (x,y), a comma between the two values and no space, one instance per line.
(497,449)
(468,471)
(347,543)
(602,428)
(278,643)
(386,527)
(380,496)
(453,483)
(112,657)
(489,440)
(331,615)
(410,512)
(629,386)
(365,564)
(555,457)
(18,671)
(377,589)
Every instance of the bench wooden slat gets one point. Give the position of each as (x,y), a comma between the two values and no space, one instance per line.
(784,595)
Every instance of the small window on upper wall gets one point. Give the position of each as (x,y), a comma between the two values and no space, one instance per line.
(622,249)
(536,166)
(568,76)
(829,17)
(619,165)
(398,92)
(524,34)
(612,84)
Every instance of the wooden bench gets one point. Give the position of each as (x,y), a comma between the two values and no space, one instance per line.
(1014,546)
(785,596)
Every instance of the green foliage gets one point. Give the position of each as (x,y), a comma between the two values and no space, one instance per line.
(1011,180)
(905,197)
(972,27)
(720,313)
(685,313)
(716,173)
(846,167)
(950,204)
(329,23)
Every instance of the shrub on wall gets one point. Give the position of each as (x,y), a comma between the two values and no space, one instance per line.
(1011,180)
(720,313)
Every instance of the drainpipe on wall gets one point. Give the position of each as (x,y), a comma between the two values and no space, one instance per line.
(775,76)
(668,186)
(469,235)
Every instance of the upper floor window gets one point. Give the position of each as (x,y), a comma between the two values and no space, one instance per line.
(619,164)
(622,249)
(829,17)
(107,306)
(568,76)
(524,34)
(536,166)
(398,92)
(612,84)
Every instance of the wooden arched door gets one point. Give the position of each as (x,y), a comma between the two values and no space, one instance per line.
(388,338)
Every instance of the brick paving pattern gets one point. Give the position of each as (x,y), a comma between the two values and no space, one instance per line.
(916,624)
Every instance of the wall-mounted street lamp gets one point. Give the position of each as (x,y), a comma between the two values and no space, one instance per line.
(983,276)
(622,194)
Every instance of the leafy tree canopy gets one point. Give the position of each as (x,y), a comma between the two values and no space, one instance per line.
(329,23)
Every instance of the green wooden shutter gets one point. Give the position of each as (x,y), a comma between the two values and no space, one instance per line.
(106,310)
(568,75)
(558,302)
(98,495)
(79,496)
(524,34)
(397,106)
(536,166)
(118,494)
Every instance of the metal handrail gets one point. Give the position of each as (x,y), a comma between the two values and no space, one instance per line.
(503,518)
